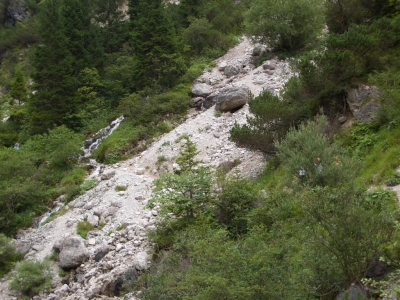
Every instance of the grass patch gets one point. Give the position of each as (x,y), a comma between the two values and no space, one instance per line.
(83,228)
(121,188)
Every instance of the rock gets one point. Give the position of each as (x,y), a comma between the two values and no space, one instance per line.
(139,197)
(140,260)
(354,292)
(79,204)
(139,171)
(226,166)
(362,102)
(73,252)
(342,119)
(61,291)
(270,65)
(108,175)
(114,286)
(210,100)
(116,204)
(89,205)
(197,102)
(112,210)
(98,211)
(231,98)
(92,241)
(93,220)
(17,10)
(232,70)
(201,89)
(100,252)
(22,247)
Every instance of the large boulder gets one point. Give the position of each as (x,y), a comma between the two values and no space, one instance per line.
(231,98)
(362,102)
(232,70)
(73,252)
(201,89)
(115,285)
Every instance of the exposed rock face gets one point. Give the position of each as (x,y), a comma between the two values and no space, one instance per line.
(362,102)
(17,10)
(231,98)
(201,90)
(73,252)
(114,287)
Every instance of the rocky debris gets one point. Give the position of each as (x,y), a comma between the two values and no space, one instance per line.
(197,102)
(201,89)
(17,10)
(141,260)
(73,252)
(342,119)
(362,102)
(226,166)
(231,98)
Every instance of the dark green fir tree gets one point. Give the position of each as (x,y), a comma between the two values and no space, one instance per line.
(18,90)
(154,45)
(55,101)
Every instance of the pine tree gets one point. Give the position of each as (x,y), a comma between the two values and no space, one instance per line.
(18,89)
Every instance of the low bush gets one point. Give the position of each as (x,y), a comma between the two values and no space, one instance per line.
(8,256)
(32,277)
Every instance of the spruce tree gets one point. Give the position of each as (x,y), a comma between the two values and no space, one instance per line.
(113,28)
(55,101)
(154,46)
(18,89)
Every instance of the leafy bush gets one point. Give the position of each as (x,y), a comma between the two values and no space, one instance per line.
(8,256)
(393,180)
(287,25)
(32,277)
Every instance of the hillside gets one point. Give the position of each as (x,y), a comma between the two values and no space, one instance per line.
(262,172)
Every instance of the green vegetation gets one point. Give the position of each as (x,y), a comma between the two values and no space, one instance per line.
(83,228)
(32,277)
(120,188)
(8,256)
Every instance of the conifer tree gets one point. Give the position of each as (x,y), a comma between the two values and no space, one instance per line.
(18,89)
(154,46)
(113,29)
(55,101)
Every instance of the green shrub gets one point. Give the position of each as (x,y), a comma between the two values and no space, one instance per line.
(83,228)
(282,24)
(393,180)
(8,256)
(32,277)
(88,185)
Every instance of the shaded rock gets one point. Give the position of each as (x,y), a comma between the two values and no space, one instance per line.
(197,102)
(201,89)
(231,98)
(107,175)
(100,252)
(114,287)
(73,252)
(342,119)
(270,65)
(210,101)
(98,211)
(112,210)
(354,292)
(362,102)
